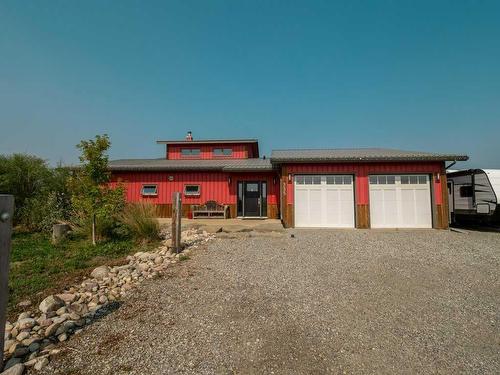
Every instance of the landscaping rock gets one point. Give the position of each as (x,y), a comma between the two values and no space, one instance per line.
(7,345)
(100,272)
(51,330)
(24,304)
(41,363)
(51,303)
(67,297)
(24,315)
(23,335)
(26,323)
(34,347)
(13,367)
(21,351)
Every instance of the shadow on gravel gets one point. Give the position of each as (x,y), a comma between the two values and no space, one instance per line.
(105,311)
(478,227)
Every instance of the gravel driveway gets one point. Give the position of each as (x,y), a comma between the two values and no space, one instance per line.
(325,301)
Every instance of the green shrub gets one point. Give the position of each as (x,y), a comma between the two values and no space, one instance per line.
(141,220)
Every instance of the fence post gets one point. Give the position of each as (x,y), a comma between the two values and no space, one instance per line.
(176,221)
(6,214)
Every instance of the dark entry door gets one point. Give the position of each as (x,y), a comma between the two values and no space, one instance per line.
(252,198)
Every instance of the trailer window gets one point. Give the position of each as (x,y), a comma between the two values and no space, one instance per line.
(466,191)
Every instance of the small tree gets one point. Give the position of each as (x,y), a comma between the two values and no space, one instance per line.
(94,202)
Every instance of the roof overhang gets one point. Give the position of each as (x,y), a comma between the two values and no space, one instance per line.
(208,141)
(359,156)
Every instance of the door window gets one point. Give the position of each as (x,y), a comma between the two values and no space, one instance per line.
(252,187)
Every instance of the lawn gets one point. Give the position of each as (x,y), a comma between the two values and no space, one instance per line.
(37,265)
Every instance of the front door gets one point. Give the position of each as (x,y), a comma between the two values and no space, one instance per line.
(252,199)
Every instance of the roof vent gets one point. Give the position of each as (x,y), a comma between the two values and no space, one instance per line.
(189,136)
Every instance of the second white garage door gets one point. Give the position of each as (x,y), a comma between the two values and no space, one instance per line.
(324,201)
(400,201)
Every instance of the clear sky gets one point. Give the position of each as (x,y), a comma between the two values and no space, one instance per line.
(414,75)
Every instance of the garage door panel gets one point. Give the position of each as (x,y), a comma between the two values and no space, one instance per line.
(329,201)
(422,211)
(315,207)
(301,206)
(398,201)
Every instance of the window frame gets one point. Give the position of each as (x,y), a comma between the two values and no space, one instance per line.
(155,194)
(192,194)
(222,150)
(190,154)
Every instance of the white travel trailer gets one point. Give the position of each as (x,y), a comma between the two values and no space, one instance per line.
(473,196)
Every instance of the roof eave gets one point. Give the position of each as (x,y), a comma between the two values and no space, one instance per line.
(278,160)
(206,141)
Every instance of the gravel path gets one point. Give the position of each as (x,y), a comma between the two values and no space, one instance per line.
(325,301)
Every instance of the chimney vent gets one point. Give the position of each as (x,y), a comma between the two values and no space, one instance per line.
(189,136)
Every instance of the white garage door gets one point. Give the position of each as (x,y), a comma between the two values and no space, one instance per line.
(400,201)
(324,201)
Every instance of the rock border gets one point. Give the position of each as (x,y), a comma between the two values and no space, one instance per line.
(32,339)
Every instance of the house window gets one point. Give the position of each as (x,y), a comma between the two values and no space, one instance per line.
(187,152)
(466,191)
(223,151)
(149,190)
(192,190)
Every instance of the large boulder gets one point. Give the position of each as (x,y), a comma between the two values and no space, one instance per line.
(100,272)
(50,304)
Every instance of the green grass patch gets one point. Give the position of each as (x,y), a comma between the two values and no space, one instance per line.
(38,265)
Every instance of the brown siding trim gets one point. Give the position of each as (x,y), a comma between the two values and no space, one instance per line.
(272,211)
(363,216)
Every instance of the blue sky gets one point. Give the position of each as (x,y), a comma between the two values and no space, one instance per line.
(403,74)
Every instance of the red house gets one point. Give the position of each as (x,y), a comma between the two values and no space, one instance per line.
(345,188)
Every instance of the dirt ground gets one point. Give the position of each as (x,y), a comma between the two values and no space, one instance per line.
(325,301)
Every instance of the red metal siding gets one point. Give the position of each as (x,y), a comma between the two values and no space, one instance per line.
(213,185)
(361,172)
(240,151)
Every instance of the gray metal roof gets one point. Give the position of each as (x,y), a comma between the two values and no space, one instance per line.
(206,141)
(227,165)
(359,154)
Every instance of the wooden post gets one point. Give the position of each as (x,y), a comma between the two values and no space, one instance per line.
(6,214)
(93,230)
(176,221)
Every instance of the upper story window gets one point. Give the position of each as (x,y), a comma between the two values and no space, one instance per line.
(223,151)
(187,152)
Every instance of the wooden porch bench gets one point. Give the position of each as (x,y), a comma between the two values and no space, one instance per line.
(210,210)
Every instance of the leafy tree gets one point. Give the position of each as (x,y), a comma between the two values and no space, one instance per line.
(24,176)
(95,203)
(40,192)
